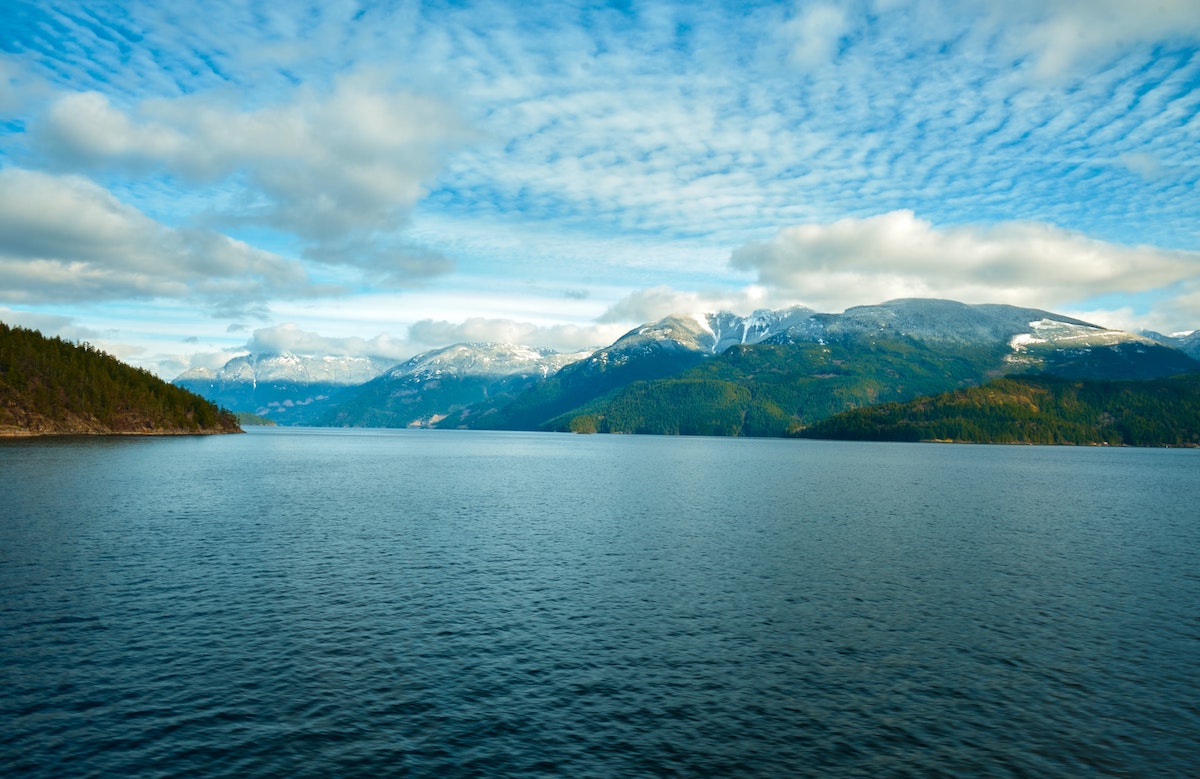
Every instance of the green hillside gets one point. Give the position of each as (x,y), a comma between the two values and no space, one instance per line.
(51,386)
(1035,410)
(573,387)
(774,389)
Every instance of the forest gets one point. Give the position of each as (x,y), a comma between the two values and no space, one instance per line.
(1035,410)
(53,386)
(775,389)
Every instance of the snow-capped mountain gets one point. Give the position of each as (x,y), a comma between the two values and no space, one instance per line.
(706,333)
(281,386)
(926,320)
(291,368)
(427,387)
(894,350)
(1187,342)
(482,360)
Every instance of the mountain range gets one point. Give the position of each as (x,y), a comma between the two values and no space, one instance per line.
(281,386)
(769,373)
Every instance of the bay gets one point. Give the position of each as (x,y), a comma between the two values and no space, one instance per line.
(304,602)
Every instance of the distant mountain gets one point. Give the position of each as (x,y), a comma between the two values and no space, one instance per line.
(283,387)
(1187,342)
(1035,410)
(424,389)
(719,374)
(49,386)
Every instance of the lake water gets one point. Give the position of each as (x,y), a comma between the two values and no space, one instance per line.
(312,603)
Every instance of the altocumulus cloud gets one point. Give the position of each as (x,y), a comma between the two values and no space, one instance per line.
(898,255)
(1063,34)
(341,170)
(66,238)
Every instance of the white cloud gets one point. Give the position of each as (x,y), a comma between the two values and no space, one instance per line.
(649,305)
(335,169)
(16,88)
(1066,34)
(290,338)
(428,334)
(816,32)
(64,238)
(49,325)
(431,333)
(898,255)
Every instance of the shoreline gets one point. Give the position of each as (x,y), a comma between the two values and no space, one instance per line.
(123,433)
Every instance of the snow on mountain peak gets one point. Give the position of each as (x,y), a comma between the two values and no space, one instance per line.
(484,360)
(1059,334)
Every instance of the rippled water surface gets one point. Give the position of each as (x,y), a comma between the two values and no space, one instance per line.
(311,603)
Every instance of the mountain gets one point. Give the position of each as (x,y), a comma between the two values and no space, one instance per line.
(49,386)
(774,372)
(283,387)
(653,351)
(1035,410)
(424,389)
(1186,342)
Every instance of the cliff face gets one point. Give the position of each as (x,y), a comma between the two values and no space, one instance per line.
(49,386)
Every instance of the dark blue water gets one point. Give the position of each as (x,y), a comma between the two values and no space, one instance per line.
(417,603)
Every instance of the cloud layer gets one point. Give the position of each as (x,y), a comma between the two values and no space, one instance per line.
(898,255)
(341,171)
(63,238)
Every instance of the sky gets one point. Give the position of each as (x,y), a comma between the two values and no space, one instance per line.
(185,181)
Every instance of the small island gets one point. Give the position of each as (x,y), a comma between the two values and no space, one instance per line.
(49,386)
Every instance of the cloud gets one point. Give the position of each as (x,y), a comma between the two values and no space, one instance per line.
(898,255)
(649,305)
(16,88)
(339,170)
(1066,34)
(290,338)
(49,325)
(1145,165)
(431,333)
(816,32)
(387,261)
(64,238)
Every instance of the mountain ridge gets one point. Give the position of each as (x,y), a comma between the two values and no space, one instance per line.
(772,370)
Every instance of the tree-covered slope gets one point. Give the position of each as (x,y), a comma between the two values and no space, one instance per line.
(1035,410)
(575,385)
(51,386)
(771,389)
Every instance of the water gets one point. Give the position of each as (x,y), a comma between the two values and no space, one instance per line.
(310,603)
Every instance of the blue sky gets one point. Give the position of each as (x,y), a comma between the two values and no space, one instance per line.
(182,181)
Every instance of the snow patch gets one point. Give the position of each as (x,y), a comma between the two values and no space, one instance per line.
(1022,340)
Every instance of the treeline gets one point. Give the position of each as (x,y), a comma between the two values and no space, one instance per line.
(48,385)
(1035,410)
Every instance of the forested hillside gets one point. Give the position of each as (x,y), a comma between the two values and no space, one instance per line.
(1035,410)
(772,389)
(52,386)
